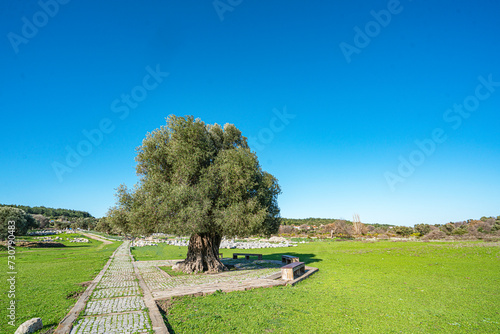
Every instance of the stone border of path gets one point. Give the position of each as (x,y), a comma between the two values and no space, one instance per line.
(66,324)
(159,325)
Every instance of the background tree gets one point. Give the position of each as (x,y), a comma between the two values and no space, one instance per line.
(43,221)
(103,225)
(423,229)
(404,231)
(23,221)
(201,180)
(50,212)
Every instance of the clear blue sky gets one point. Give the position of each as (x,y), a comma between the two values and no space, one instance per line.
(356,102)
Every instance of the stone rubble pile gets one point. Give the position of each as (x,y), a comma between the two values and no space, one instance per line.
(229,244)
(46,232)
(48,239)
(142,243)
(273,242)
(79,240)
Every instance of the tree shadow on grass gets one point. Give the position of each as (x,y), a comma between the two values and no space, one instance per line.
(303,257)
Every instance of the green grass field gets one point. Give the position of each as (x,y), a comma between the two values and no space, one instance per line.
(47,278)
(383,287)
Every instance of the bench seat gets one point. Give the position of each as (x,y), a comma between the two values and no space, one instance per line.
(247,256)
(292,270)
(289,259)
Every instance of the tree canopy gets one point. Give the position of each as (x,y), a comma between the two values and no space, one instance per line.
(197,178)
(51,212)
(22,221)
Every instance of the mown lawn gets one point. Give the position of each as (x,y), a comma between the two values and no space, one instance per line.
(47,278)
(383,287)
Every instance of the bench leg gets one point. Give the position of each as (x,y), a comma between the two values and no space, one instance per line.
(235,257)
(247,257)
(260,257)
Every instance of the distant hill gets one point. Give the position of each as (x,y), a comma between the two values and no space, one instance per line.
(321,221)
(51,212)
(308,221)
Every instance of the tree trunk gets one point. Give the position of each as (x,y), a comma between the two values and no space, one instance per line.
(203,254)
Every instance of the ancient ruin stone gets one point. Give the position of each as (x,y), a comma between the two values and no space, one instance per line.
(30,326)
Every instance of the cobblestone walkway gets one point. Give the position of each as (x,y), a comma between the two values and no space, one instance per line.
(252,274)
(123,300)
(116,305)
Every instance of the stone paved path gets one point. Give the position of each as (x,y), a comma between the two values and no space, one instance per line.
(253,274)
(117,304)
(123,300)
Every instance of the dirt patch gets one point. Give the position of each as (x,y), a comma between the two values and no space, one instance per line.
(74,294)
(165,305)
(85,284)
(92,236)
(31,244)
(49,331)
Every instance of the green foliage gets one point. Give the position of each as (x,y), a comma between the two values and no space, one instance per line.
(61,225)
(377,225)
(103,226)
(447,228)
(423,229)
(460,231)
(197,178)
(51,212)
(42,221)
(311,221)
(22,221)
(404,231)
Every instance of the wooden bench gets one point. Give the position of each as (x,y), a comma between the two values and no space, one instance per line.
(247,256)
(289,259)
(292,270)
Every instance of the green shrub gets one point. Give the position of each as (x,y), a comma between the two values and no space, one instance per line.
(23,221)
(404,231)
(434,235)
(459,231)
(448,228)
(423,229)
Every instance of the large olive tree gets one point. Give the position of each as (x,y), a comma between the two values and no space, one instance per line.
(201,180)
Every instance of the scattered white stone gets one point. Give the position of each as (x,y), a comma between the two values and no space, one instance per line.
(30,326)
(273,242)
(79,240)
